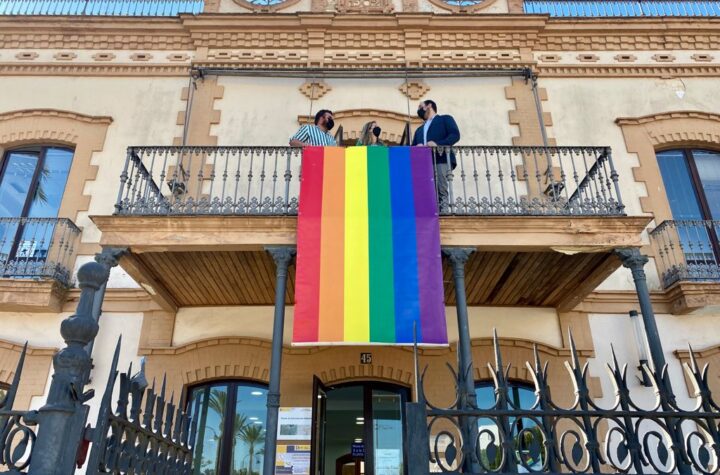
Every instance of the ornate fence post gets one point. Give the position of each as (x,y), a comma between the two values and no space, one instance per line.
(466,387)
(62,418)
(635,261)
(282,256)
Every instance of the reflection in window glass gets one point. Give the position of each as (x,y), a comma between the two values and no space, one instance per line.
(249,430)
(32,183)
(212,404)
(230,437)
(525,431)
(692,185)
(708,166)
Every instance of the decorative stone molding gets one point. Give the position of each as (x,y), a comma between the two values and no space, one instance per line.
(588,58)
(663,58)
(314,90)
(525,116)
(702,57)
(414,89)
(65,56)
(626,70)
(203,114)
(35,371)
(550,58)
(410,6)
(178,57)
(89,69)
(352,121)
(141,57)
(625,58)
(249,358)
(364,6)
(84,133)
(27,55)
(644,135)
(25,295)
(103,56)
(460,32)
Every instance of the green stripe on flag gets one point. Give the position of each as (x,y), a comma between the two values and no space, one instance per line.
(382,289)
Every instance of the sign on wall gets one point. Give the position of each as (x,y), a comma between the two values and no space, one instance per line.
(295,423)
(292,460)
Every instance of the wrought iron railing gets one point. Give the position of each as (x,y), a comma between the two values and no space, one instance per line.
(687,250)
(38,248)
(623,8)
(488,180)
(626,436)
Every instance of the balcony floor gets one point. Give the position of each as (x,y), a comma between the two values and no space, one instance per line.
(519,261)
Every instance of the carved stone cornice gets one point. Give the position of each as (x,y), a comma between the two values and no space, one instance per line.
(56,113)
(106,69)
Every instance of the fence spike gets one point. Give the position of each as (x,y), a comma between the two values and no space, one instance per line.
(573,350)
(9,399)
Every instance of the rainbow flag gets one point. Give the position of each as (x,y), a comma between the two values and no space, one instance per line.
(368,249)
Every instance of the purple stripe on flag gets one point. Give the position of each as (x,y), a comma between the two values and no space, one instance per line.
(427,228)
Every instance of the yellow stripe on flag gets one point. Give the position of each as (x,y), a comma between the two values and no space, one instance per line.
(357,247)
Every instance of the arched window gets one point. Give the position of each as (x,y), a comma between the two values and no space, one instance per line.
(230,436)
(529,446)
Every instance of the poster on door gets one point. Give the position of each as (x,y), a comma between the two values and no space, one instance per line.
(292,460)
(388,462)
(295,423)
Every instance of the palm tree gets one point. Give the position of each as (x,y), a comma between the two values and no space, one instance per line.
(253,435)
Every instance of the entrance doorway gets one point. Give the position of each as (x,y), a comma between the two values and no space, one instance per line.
(358,429)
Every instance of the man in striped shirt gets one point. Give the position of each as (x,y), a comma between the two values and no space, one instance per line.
(318,134)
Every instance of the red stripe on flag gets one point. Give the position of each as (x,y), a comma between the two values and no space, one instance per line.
(307,274)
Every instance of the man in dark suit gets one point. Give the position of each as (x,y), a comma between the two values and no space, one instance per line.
(442,131)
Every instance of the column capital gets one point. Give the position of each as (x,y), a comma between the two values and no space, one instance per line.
(282,255)
(632,259)
(110,256)
(458,255)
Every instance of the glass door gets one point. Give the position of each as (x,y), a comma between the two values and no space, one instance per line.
(358,429)
(387,432)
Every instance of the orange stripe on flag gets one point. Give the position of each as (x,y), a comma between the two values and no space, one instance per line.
(332,247)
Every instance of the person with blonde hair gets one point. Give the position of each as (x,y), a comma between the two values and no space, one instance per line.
(370,135)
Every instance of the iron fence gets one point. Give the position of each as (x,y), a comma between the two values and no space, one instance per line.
(38,248)
(142,433)
(625,437)
(687,250)
(488,180)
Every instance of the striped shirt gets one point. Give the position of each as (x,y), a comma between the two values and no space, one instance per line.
(314,135)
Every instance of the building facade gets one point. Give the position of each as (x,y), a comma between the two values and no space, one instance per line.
(160,133)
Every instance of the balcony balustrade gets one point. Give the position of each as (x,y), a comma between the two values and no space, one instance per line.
(488,181)
(38,248)
(687,250)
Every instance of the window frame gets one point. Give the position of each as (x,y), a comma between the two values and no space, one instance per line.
(224,462)
(699,190)
(41,151)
